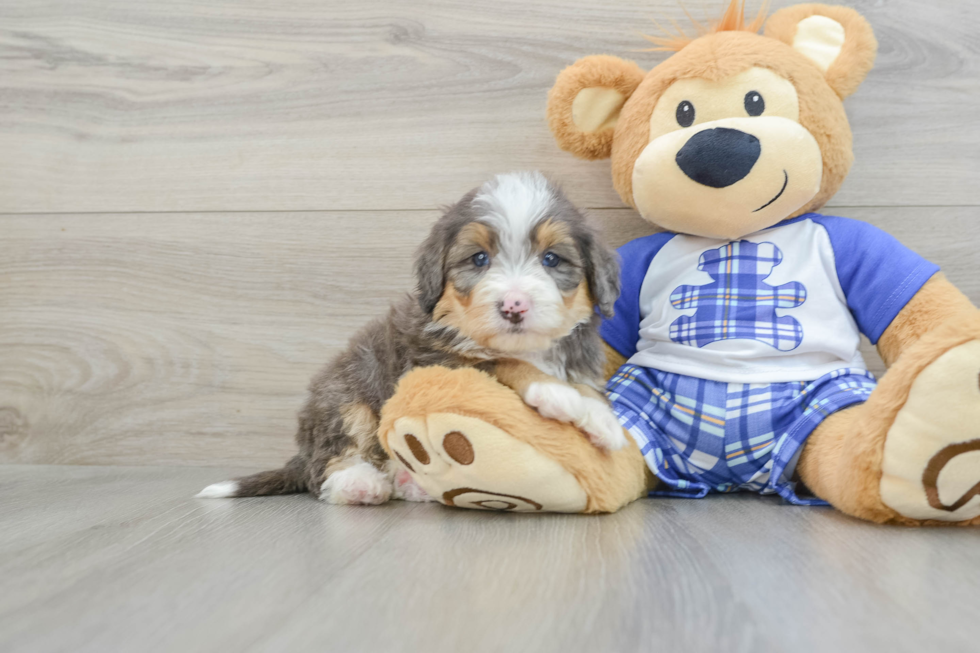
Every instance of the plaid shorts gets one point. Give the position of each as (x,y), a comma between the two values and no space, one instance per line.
(703,436)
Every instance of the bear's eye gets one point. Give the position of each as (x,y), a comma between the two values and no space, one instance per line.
(754,104)
(685,114)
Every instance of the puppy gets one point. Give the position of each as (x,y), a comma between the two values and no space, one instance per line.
(511,280)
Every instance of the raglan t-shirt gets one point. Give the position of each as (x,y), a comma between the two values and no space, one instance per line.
(784,304)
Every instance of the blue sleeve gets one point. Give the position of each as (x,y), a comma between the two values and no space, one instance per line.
(878,274)
(621,331)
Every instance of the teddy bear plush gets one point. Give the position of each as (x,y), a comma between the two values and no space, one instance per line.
(733,351)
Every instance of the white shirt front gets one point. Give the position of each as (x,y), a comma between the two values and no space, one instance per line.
(766,309)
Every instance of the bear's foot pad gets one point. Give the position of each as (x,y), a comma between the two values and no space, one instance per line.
(466,462)
(931,463)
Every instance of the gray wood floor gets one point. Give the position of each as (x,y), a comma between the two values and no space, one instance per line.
(108,559)
(201,201)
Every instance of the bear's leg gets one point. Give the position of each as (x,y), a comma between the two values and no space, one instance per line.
(471,442)
(910,454)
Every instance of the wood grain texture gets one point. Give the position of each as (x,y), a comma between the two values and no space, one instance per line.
(137,105)
(122,559)
(190,338)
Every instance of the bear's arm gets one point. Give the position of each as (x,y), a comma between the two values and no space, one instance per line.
(936,303)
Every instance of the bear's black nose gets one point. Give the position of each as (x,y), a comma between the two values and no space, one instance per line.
(719,157)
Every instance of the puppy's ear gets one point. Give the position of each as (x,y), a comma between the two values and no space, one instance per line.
(601,272)
(430,269)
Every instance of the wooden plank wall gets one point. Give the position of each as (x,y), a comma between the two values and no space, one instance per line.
(200,201)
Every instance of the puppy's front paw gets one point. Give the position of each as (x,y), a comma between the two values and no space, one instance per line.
(566,404)
(555,401)
(600,423)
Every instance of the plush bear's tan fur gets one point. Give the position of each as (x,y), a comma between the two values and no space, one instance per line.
(843,460)
(715,57)
(812,56)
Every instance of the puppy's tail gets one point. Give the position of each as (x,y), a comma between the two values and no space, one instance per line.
(287,480)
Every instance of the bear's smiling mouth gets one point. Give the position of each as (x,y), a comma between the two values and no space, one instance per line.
(778,195)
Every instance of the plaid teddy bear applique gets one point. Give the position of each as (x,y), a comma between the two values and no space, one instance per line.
(738,304)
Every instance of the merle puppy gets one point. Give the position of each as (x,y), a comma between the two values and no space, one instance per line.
(512,281)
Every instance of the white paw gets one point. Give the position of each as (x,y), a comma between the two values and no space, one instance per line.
(362,484)
(566,404)
(555,401)
(600,423)
(220,490)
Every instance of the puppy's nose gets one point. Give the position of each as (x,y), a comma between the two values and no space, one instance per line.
(513,306)
(719,157)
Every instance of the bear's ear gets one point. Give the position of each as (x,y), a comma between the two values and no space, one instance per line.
(837,39)
(584,103)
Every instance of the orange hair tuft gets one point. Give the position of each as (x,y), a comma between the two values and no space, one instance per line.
(733,20)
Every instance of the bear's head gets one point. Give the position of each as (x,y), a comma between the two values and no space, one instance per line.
(733,133)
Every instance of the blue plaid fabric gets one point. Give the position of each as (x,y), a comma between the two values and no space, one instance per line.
(703,436)
(738,304)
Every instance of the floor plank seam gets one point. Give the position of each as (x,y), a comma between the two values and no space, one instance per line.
(435,209)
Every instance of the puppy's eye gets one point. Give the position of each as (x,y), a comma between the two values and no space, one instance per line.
(481,259)
(754,104)
(550,260)
(685,114)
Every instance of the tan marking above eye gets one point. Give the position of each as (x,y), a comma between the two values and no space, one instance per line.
(724,99)
(473,238)
(551,233)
